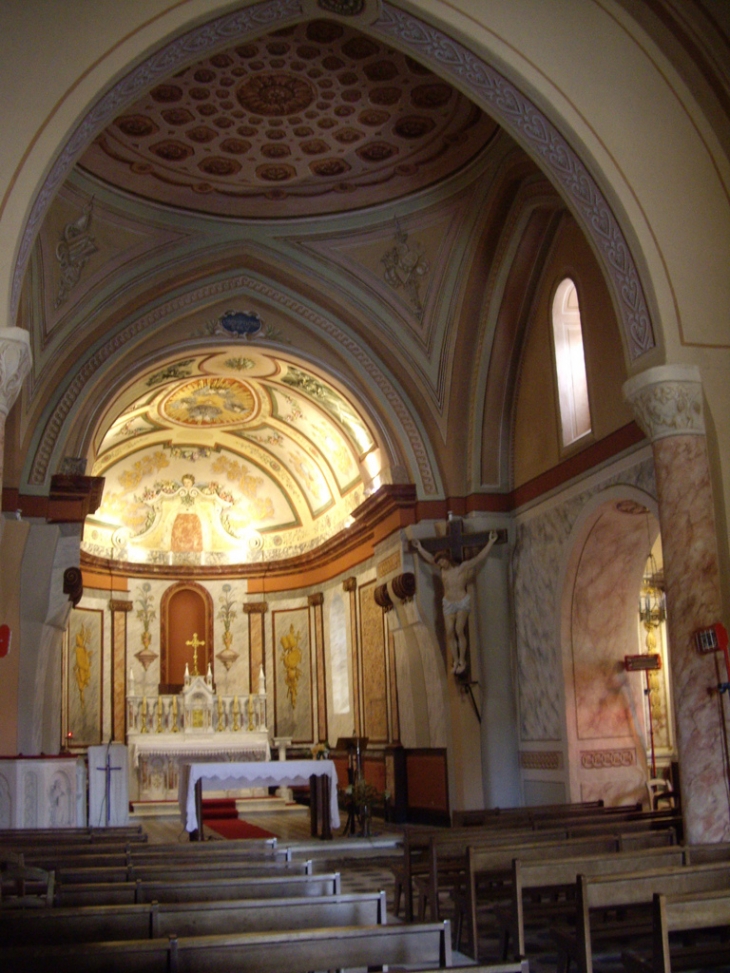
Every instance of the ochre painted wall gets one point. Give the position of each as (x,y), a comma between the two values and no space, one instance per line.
(537,445)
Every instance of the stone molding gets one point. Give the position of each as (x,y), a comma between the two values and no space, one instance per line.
(667,401)
(315,600)
(15,363)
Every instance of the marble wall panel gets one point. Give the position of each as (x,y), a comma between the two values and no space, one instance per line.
(541,550)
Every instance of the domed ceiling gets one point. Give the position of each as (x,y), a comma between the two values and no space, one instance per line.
(308,120)
(225,458)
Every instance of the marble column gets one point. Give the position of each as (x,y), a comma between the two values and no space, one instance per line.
(668,405)
(15,362)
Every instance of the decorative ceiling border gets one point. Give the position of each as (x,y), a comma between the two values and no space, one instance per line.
(528,126)
(518,115)
(100,356)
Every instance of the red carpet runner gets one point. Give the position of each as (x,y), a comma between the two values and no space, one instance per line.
(221,816)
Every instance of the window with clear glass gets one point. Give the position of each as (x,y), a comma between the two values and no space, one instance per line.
(575,413)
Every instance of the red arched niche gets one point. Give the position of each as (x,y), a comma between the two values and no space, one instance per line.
(186,609)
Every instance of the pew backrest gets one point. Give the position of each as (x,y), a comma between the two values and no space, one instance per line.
(290,951)
(95,923)
(532,876)
(638,888)
(199,890)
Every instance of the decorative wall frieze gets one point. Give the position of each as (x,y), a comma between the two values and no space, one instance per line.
(667,401)
(541,760)
(388,565)
(607,759)
(15,363)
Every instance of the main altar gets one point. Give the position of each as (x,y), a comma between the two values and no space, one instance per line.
(196,725)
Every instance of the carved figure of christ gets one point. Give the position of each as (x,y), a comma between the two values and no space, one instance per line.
(455,577)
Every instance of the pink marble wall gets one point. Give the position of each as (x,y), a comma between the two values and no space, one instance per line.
(693,601)
(604,626)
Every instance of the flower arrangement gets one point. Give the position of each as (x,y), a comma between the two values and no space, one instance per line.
(320,751)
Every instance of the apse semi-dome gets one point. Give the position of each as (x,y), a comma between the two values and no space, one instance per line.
(227,457)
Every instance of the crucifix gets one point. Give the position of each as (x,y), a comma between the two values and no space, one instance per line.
(448,555)
(196,643)
(108,770)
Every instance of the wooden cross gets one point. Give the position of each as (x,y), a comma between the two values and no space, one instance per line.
(196,643)
(456,543)
(108,770)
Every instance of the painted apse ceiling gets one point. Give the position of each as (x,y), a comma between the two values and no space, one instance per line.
(313,181)
(225,458)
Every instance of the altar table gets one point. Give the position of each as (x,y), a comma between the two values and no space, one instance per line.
(268,773)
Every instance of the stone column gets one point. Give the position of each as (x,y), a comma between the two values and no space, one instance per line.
(668,405)
(15,362)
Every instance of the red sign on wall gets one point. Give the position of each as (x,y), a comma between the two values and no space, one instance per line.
(5,636)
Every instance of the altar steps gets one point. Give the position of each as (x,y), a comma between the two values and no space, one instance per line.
(244,805)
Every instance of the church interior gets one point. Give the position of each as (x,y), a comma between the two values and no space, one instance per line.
(290,285)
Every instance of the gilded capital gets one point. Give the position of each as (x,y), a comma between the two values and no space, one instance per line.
(667,401)
(15,362)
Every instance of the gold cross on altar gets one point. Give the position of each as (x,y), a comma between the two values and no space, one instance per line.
(196,643)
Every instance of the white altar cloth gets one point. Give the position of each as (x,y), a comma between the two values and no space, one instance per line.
(270,773)
(188,746)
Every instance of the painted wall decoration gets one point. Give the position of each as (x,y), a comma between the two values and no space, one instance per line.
(293,675)
(209,469)
(374,673)
(83,677)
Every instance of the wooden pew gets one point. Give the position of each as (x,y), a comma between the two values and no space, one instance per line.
(94,923)
(494,865)
(633,892)
(199,890)
(417,859)
(127,833)
(462,866)
(545,890)
(147,855)
(290,951)
(23,887)
(685,914)
(199,869)
(476,818)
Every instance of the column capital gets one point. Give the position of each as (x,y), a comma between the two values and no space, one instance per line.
(15,362)
(667,401)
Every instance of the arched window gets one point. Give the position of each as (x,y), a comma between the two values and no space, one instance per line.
(575,413)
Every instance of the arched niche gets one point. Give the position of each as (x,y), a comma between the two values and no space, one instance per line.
(186,610)
(604,704)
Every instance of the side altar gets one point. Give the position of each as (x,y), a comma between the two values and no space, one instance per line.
(199,725)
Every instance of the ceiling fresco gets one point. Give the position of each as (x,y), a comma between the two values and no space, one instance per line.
(226,458)
(311,119)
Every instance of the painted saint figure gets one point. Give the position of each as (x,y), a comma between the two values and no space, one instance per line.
(457,600)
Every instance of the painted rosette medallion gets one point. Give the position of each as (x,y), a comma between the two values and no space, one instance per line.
(212,403)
